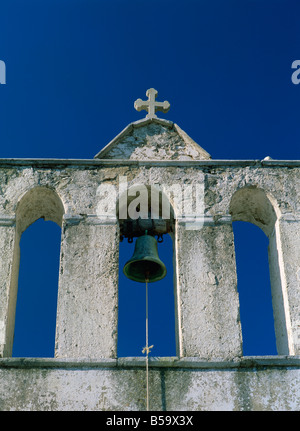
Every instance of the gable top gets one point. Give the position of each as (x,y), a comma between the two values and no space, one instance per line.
(153,139)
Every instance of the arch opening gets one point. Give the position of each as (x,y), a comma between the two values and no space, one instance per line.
(253,205)
(35,322)
(162,297)
(254,288)
(37,203)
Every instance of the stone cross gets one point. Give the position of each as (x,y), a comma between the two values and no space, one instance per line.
(151,105)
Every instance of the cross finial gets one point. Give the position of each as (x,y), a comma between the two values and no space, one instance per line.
(151,105)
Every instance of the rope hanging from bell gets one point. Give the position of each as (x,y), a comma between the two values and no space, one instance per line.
(146,267)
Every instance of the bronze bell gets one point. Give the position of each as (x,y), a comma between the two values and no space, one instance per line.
(145,262)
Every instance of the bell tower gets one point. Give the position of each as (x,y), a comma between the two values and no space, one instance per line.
(152,179)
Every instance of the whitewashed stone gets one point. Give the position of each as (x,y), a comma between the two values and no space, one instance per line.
(209,372)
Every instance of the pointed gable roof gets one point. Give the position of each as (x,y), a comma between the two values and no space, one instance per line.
(153,139)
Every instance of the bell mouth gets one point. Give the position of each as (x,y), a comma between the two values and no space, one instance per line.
(145,269)
(145,263)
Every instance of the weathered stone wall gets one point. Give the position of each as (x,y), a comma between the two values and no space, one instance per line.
(266,193)
(257,383)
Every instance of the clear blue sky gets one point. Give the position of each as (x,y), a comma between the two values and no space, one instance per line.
(75,67)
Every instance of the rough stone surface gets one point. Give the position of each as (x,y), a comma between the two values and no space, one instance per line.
(85,374)
(214,307)
(88,292)
(249,384)
(154,139)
